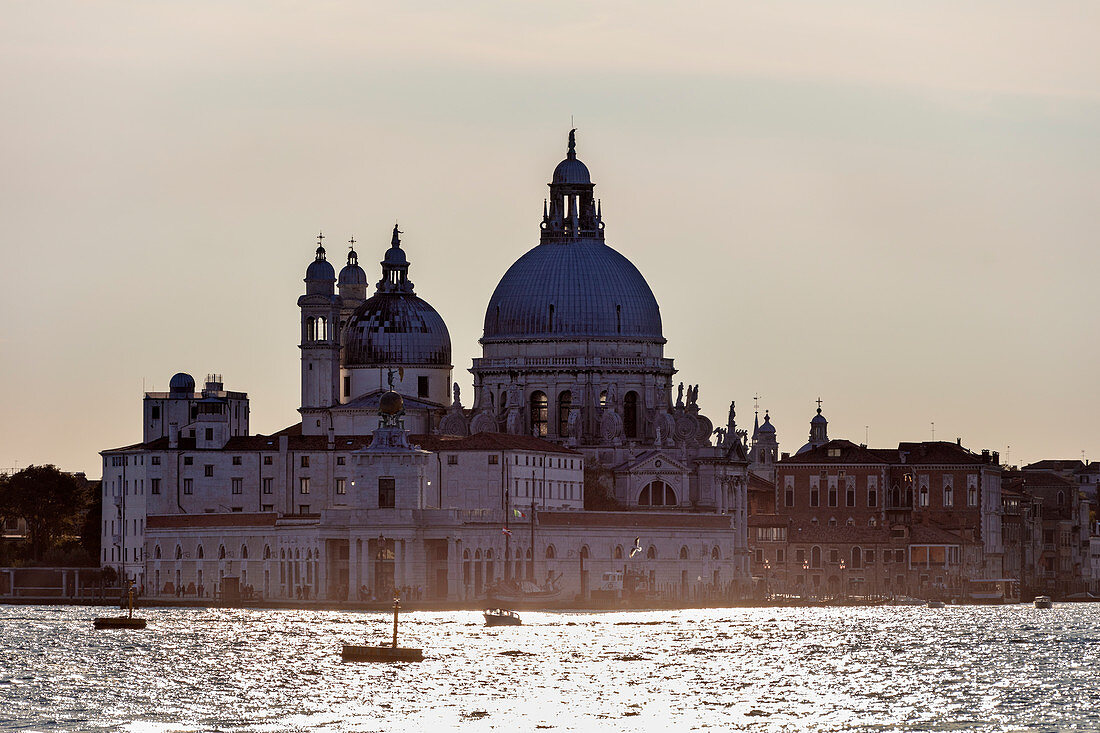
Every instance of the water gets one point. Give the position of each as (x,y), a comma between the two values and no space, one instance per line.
(1009,668)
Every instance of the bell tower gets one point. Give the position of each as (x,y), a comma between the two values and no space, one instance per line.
(320,345)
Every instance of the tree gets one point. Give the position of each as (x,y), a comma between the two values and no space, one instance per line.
(598,480)
(51,502)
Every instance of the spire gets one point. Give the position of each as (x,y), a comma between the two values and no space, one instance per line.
(320,247)
(572,154)
(353,258)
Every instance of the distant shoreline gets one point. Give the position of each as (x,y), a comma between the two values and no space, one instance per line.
(387,606)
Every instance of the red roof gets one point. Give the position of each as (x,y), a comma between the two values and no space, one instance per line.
(635,520)
(435,443)
(190,521)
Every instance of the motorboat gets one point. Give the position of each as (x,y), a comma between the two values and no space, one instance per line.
(935,604)
(1043,602)
(501,617)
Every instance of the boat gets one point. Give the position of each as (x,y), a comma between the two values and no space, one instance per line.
(1043,602)
(121,622)
(501,617)
(935,604)
(383,652)
(509,593)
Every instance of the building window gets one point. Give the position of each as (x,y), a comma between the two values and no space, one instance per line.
(868,557)
(872,497)
(303,485)
(850,495)
(341,486)
(387,492)
(630,414)
(267,507)
(832,496)
(156,460)
(923,495)
(780,555)
(188,460)
(347,386)
(155,412)
(565,404)
(208,469)
(267,460)
(799,556)
(452,460)
(236,460)
(948,495)
(815,496)
(187,486)
(657,493)
(539,406)
(834,555)
(209,433)
(340,460)
(788,497)
(972,496)
(493,458)
(237,485)
(303,508)
(305,462)
(422,386)
(266,483)
(154,485)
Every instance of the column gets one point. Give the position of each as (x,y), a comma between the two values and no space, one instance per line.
(353,569)
(454,569)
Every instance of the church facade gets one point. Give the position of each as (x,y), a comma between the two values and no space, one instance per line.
(579,470)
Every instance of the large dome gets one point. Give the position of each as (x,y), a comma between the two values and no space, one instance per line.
(583,289)
(395,329)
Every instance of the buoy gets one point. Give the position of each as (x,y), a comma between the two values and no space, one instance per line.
(121,622)
(383,652)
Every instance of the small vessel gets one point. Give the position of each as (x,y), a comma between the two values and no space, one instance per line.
(121,622)
(501,617)
(506,593)
(1043,602)
(935,604)
(383,652)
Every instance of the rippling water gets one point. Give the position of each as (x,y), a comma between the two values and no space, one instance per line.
(822,669)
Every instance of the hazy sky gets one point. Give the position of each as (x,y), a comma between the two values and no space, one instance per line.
(893,206)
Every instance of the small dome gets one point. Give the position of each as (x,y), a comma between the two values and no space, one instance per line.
(397,328)
(352,275)
(818,419)
(571,170)
(395,256)
(391,403)
(320,270)
(182,383)
(767,427)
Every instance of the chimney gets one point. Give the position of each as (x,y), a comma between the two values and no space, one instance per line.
(959,442)
(173,435)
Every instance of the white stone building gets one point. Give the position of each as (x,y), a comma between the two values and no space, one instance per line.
(436,498)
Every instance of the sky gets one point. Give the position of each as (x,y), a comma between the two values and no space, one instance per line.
(894,207)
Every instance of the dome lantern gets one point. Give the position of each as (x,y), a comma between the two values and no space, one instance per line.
(572,212)
(320,276)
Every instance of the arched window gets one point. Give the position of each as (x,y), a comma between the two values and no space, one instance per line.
(618,554)
(528,553)
(815,557)
(872,522)
(651,553)
(221,552)
(200,552)
(503,399)
(311,329)
(832,521)
(715,554)
(539,405)
(466,554)
(1061,498)
(179,552)
(630,415)
(657,493)
(603,398)
(489,554)
(584,552)
(857,558)
(895,496)
(550,552)
(850,522)
(267,552)
(156,552)
(565,403)
(244,552)
(684,554)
